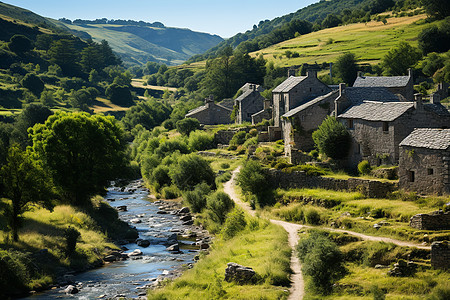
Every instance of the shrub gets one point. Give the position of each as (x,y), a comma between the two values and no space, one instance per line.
(238,138)
(190,171)
(312,216)
(200,140)
(223,178)
(322,260)
(33,83)
(253,132)
(364,167)
(160,175)
(196,199)
(332,138)
(168,124)
(170,192)
(224,165)
(71,236)
(253,180)
(218,204)
(251,141)
(186,126)
(234,223)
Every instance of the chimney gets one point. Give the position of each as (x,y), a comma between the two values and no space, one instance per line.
(418,104)
(209,100)
(291,72)
(266,104)
(435,98)
(341,88)
(311,73)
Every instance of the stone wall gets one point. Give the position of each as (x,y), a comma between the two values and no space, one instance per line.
(224,136)
(430,169)
(437,220)
(440,255)
(299,179)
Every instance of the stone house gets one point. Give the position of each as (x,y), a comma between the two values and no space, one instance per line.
(299,123)
(211,113)
(424,164)
(377,127)
(248,103)
(398,85)
(291,93)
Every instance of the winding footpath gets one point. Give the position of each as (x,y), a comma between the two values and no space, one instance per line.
(297,289)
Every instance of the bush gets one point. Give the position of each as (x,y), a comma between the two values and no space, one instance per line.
(332,138)
(170,192)
(322,260)
(196,199)
(234,223)
(190,171)
(253,180)
(223,178)
(218,205)
(224,165)
(238,138)
(168,124)
(160,175)
(364,167)
(312,216)
(186,126)
(71,236)
(33,83)
(200,140)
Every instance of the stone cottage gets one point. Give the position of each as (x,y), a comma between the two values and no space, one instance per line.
(299,123)
(398,85)
(211,113)
(248,103)
(377,128)
(291,93)
(424,164)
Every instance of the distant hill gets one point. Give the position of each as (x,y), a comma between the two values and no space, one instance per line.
(136,42)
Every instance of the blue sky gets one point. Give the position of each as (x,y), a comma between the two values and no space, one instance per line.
(225,18)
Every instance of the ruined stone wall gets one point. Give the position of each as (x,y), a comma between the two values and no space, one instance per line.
(299,179)
(424,171)
(437,220)
(224,136)
(440,255)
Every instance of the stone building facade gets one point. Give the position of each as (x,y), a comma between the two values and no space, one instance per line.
(398,85)
(377,128)
(299,123)
(248,103)
(424,165)
(211,113)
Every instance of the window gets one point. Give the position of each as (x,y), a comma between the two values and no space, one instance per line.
(430,171)
(411,176)
(350,123)
(385,126)
(310,89)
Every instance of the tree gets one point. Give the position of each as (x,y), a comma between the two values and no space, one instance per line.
(253,180)
(399,59)
(119,94)
(346,68)
(432,63)
(64,54)
(91,58)
(438,9)
(148,113)
(443,74)
(82,152)
(332,138)
(435,39)
(190,171)
(186,126)
(32,114)
(33,83)
(218,205)
(331,21)
(20,44)
(24,182)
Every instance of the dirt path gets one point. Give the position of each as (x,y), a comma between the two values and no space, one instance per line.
(298,285)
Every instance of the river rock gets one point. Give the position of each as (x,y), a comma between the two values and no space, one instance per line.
(161,212)
(143,243)
(185,218)
(122,208)
(110,258)
(71,289)
(172,239)
(184,210)
(174,247)
(239,274)
(135,252)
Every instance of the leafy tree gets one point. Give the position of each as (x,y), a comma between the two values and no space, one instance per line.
(148,113)
(47,98)
(20,44)
(399,59)
(24,182)
(82,152)
(443,74)
(83,98)
(218,205)
(32,114)
(346,68)
(119,94)
(435,39)
(432,63)
(332,138)
(190,171)
(33,83)
(331,21)
(186,126)
(253,180)
(200,140)
(438,9)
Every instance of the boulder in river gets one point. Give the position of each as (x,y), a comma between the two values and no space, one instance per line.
(143,243)
(122,208)
(240,274)
(174,247)
(135,252)
(184,210)
(71,289)
(185,218)
(135,221)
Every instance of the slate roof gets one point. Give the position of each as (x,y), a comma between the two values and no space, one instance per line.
(429,138)
(244,95)
(438,109)
(359,94)
(377,111)
(288,84)
(246,87)
(298,109)
(202,108)
(381,81)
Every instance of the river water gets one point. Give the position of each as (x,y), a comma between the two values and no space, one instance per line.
(130,277)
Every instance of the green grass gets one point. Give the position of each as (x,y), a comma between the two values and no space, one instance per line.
(263,248)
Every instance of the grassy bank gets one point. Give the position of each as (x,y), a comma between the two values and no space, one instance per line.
(261,246)
(40,257)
